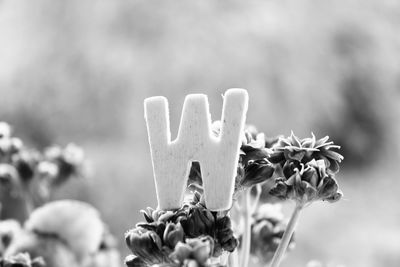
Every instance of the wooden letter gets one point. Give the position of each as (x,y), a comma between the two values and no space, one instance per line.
(218,156)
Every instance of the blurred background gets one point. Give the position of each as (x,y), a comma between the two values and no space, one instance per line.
(80,70)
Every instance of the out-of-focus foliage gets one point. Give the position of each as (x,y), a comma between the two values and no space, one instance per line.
(296,58)
(64,233)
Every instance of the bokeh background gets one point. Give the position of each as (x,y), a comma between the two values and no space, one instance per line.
(80,70)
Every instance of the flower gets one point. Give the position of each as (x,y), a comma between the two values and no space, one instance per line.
(154,215)
(5,130)
(325,151)
(26,162)
(253,148)
(9,229)
(266,231)
(9,178)
(197,249)
(173,234)
(257,171)
(69,160)
(22,260)
(135,261)
(308,183)
(199,221)
(188,236)
(48,169)
(146,244)
(225,240)
(304,150)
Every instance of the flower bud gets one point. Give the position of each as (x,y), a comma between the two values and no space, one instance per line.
(280,190)
(276,157)
(181,252)
(257,171)
(199,221)
(134,261)
(48,169)
(328,188)
(144,243)
(267,231)
(173,234)
(202,248)
(289,168)
(224,234)
(73,154)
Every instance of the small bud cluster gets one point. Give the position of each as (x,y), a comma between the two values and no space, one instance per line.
(22,168)
(22,260)
(308,167)
(189,236)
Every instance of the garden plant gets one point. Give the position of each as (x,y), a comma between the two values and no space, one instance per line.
(220,188)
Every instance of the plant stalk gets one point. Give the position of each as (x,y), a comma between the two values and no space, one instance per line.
(233,260)
(276,260)
(246,213)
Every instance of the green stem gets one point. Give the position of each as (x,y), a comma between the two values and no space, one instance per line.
(256,199)
(246,213)
(233,259)
(276,260)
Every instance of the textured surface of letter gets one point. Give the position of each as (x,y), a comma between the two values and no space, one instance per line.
(218,156)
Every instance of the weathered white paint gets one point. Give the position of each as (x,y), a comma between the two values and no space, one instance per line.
(218,156)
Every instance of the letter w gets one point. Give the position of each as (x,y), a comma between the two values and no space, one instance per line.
(218,156)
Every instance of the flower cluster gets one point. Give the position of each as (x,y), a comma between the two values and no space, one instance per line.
(189,236)
(266,231)
(29,171)
(308,168)
(22,260)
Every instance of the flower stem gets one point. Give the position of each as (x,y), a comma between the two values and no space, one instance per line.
(276,260)
(246,213)
(234,259)
(256,199)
